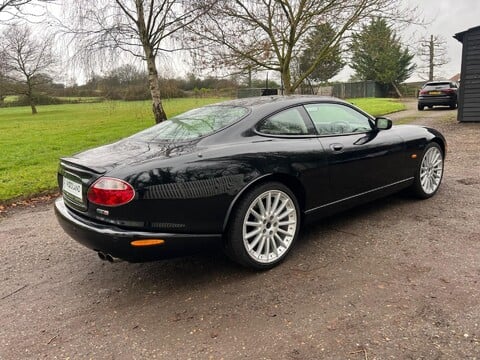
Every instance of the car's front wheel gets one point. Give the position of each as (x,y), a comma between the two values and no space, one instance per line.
(429,173)
(264,226)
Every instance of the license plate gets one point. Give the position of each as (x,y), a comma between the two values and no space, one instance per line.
(435,92)
(72,188)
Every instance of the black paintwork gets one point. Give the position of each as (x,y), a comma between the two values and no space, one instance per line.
(185,192)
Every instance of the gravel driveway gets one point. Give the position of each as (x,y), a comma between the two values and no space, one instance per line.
(394,279)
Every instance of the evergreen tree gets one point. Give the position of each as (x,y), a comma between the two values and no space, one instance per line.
(318,41)
(378,54)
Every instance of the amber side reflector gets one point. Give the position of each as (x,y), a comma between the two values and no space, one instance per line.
(414,156)
(147,242)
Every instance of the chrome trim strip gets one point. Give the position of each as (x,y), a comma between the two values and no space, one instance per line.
(357,195)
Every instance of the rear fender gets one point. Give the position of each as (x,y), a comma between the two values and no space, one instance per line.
(290,181)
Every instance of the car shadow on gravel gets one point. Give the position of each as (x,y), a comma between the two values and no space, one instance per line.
(376,210)
(135,281)
(126,283)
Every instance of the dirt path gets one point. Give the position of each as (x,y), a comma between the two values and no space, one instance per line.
(412,115)
(395,279)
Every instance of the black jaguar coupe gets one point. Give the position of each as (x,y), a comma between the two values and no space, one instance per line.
(243,174)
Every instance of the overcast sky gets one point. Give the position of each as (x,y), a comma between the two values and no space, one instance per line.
(449,17)
(445,18)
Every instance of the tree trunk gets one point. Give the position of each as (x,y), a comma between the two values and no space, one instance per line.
(154,84)
(397,90)
(153,81)
(431,58)
(30,97)
(312,91)
(287,82)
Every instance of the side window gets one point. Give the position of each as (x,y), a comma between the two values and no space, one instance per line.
(334,119)
(287,122)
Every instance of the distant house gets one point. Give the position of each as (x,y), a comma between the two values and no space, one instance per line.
(469,97)
(455,78)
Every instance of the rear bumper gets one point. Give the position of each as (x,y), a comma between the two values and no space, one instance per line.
(116,241)
(437,100)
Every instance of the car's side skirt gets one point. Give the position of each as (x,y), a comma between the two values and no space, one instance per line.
(348,202)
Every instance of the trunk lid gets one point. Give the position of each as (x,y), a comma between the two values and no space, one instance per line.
(126,153)
(77,173)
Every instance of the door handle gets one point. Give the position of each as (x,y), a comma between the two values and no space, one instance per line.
(336,147)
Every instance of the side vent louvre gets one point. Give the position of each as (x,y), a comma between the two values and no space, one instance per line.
(195,189)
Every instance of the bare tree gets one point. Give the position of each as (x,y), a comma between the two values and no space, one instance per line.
(433,54)
(6,5)
(15,8)
(270,34)
(26,60)
(143,28)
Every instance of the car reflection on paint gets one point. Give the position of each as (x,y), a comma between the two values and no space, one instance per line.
(243,175)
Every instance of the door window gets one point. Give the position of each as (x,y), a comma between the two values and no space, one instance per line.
(334,119)
(287,122)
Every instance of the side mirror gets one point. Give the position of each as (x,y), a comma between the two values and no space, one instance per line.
(382,123)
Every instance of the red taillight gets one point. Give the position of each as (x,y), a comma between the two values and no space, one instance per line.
(423,92)
(110,192)
(448,91)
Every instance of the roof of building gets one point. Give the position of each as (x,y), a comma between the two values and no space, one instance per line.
(455,78)
(459,36)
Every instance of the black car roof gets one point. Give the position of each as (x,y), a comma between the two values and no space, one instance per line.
(259,108)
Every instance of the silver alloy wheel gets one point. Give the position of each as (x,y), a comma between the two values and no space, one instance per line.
(431,170)
(269,226)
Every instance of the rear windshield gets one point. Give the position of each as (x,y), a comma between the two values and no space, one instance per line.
(437,86)
(193,124)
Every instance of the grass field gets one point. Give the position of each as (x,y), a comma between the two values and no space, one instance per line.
(30,146)
(377,106)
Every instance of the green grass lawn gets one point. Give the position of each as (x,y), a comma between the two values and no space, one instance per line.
(378,106)
(30,146)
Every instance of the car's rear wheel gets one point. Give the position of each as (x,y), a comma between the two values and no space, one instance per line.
(264,226)
(420,107)
(429,172)
(453,106)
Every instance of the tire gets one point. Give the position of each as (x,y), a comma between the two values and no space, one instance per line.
(264,226)
(453,106)
(429,173)
(420,107)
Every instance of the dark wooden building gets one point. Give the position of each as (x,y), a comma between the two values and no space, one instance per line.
(469,97)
